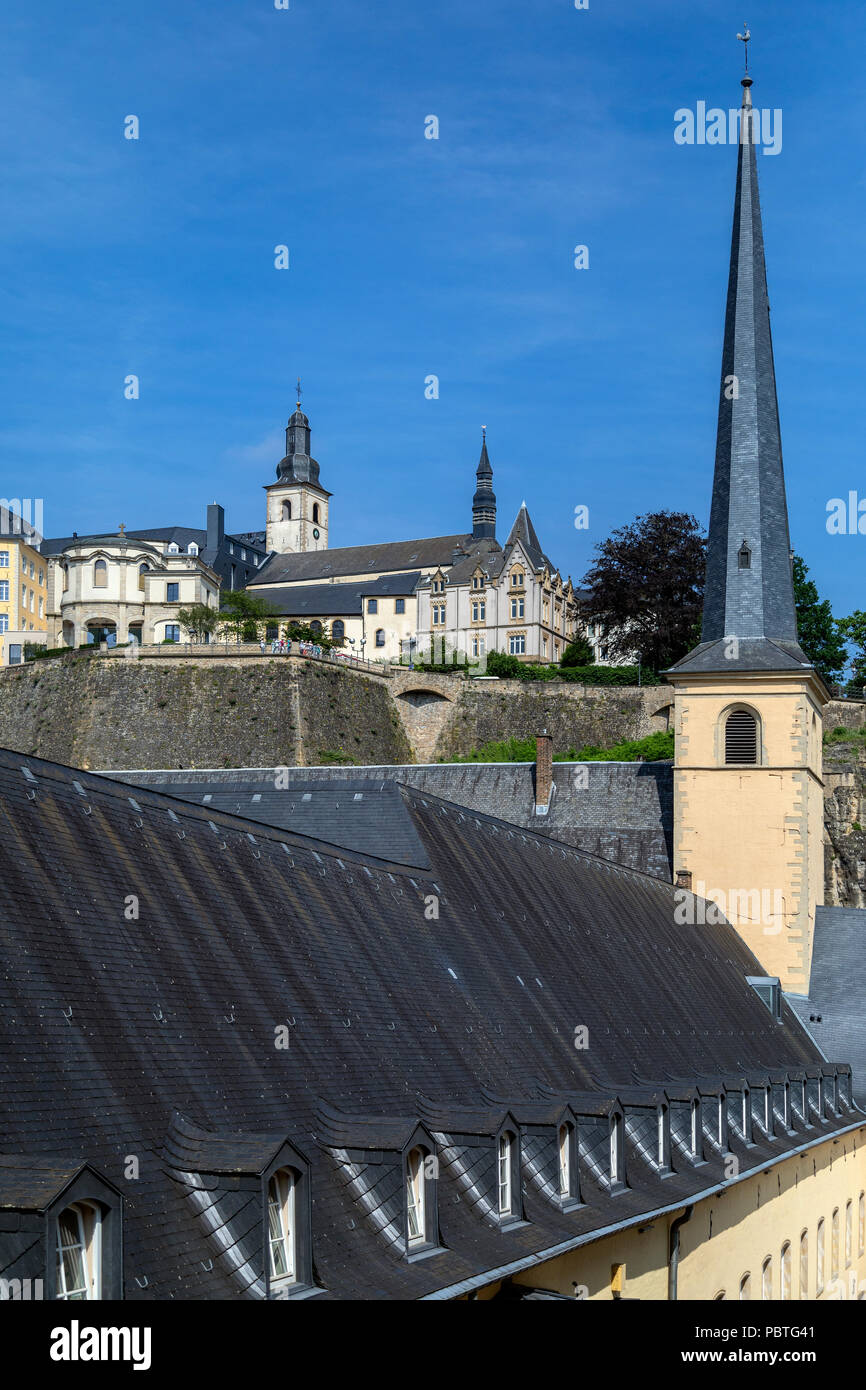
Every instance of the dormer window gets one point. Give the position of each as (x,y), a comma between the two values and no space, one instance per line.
(79,1252)
(564,1146)
(192,548)
(696,1127)
(617,1157)
(282,1226)
(662,1137)
(769,990)
(747,1115)
(416,1204)
(744,557)
(174,549)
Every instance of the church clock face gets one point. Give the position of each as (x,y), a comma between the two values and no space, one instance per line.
(315,533)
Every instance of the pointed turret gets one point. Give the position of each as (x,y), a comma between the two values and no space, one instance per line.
(749,593)
(524,532)
(484,501)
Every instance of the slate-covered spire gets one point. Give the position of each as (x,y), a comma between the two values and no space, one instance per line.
(749,590)
(298,466)
(484,501)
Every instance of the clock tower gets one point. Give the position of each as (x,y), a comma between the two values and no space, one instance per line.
(297,504)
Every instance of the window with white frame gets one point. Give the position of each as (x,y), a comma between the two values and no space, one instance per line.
(662,1126)
(172,632)
(192,548)
(786,1271)
(79,1252)
(819,1258)
(696,1126)
(4,590)
(517,643)
(505,1178)
(767,1279)
(478,646)
(565,1139)
(518,608)
(615,1150)
(282,1226)
(174,549)
(416,1201)
(804,1264)
(478,612)
(4,559)
(849,1231)
(4,622)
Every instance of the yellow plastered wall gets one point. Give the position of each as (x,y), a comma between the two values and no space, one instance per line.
(732,1234)
(752,837)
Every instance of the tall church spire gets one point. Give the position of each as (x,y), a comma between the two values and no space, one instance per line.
(298,466)
(484,501)
(749,592)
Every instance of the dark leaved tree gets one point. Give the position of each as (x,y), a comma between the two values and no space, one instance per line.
(647,583)
(820,635)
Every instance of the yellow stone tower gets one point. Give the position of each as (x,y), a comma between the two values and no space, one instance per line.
(748,788)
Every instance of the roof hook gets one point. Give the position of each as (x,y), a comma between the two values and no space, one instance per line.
(139,1283)
(290,1021)
(159,1015)
(232,1019)
(392,1026)
(66,1015)
(206,1266)
(347,1023)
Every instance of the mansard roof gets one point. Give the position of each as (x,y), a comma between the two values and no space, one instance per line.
(122,1025)
(361,559)
(337,600)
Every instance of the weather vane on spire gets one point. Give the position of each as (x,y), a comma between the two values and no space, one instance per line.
(299,393)
(744,38)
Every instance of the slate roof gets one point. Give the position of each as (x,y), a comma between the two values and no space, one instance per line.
(524,532)
(123,1026)
(336,811)
(837,989)
(335,600)
(622,812)
(754,603)
(360,559)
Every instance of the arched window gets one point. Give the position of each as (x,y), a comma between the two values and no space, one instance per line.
(282,1226)
(65,569)
(767,1279)
(100,575)
(744,557)
(79,1252)
(819,1259)
(505,1174)
(834,1245)
(380,637)
(741,737)
(849,1231)
(316,627)
(804,1264)
(746,1287)
(315,513)
(287,510)
(720,1296)
(338,630)
(416,1202)
(142,571)
(861,1225)
(786,1271)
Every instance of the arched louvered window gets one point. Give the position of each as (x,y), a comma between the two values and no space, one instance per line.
(741,737)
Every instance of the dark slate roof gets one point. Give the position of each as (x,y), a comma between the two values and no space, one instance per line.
(28,1183)
(190,1148)
(749,503)
(486,554)
(336,811)
(183,536)
(753,654)
(837,989)
(334,600)
(122,1026)
(622,812)
(13,525)
(361,559)
(524,532)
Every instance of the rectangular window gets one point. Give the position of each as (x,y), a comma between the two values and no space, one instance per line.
(819,1258)
(517,644)
(281,1226)
(372,605)
(4,590)
(399,605)
(517,607)
(4,559)
(41,602)
(172,632)
(505,1174)
(4,622)
(172,592)
(849,1232)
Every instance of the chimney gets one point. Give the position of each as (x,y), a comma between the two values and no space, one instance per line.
(684,879)
(216,526)
(543,773)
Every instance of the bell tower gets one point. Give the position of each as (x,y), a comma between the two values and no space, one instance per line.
(748,786)
(297,504)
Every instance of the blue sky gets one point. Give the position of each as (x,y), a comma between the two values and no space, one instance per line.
(412,257)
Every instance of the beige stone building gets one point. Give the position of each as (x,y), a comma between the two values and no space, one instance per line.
(23,587)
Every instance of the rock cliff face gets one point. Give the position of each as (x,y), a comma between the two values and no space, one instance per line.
(845,826)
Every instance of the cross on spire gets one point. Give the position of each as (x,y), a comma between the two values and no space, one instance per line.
(744,39)
(299,393)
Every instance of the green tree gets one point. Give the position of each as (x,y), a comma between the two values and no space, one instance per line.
(647,584)
(821,636)
(854,628)
(199,620)
(246,615)
(578,653)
